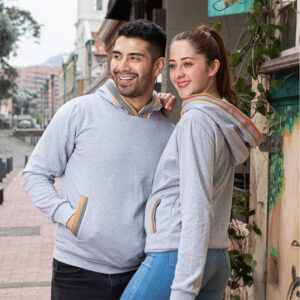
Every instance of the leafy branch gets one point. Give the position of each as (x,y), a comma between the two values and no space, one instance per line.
(242,263)
(257,43)
(14,23)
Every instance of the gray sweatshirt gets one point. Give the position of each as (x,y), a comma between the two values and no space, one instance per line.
(189,208)
(106,154)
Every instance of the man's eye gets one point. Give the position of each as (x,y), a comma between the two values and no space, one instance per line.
(135,58)
(116,56)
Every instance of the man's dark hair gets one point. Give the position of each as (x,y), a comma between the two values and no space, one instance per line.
(149,32)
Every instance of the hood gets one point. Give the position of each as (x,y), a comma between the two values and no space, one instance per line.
(109,88)
(239,131)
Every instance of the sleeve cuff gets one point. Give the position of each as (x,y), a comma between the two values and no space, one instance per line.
(180,295)
(63,213)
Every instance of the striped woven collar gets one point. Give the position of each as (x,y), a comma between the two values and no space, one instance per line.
(120,101)
(227,107)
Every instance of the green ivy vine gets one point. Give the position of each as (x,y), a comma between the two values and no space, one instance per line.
(242,262)
(286,122)
(275,177)
(258,42)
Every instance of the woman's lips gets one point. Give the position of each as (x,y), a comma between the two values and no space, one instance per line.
(183,84)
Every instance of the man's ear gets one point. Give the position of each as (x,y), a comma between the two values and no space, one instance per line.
(158,66)
(214,67)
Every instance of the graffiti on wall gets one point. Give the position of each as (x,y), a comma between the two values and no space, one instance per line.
(228,7)
(294,289)
(283,210)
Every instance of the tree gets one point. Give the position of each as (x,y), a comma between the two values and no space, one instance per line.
(14,23)
(23,100)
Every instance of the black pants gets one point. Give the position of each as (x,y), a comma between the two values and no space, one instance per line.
(73,283)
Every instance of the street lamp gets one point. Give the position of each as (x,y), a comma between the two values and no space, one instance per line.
(65,81)
(74,58)
(89,45)
(47,98)
(52,95)
(43,104)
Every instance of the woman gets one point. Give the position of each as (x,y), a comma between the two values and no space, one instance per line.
(188,212)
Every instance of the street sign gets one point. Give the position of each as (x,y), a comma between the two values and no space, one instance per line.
(228,7)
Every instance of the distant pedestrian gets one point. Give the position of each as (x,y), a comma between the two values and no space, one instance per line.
(188,212)
(106,147)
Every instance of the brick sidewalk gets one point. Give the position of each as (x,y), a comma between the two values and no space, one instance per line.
(26,244)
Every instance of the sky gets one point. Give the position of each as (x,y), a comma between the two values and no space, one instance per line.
(58,33)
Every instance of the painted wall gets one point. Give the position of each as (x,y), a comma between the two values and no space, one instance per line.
(274,189)
(284,197)
(259,201)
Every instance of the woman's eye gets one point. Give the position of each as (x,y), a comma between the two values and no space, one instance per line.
(172,66)
(187,64)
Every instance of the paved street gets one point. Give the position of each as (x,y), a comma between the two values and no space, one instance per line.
(26,236)
(10,146)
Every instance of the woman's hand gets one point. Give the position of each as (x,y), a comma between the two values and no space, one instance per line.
(168,102)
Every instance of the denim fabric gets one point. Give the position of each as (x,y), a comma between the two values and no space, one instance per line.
(154,278)
(73,283)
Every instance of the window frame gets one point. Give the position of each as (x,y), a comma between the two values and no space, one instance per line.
(296,48)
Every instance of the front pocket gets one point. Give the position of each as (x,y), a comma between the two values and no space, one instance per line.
(62,268)
(79,214)
(153,215)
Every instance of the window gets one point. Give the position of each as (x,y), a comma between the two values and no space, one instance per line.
(290,18)
(98,5)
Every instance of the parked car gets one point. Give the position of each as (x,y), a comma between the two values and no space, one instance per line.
(25,124)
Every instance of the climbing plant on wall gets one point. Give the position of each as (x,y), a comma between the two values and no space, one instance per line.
(258,42)
(287,119)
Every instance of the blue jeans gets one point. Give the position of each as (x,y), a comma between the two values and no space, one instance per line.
(154,277)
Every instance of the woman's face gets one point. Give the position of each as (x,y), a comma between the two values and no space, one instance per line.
(189,71)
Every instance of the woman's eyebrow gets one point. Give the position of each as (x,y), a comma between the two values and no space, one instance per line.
(171,60)
(188,58)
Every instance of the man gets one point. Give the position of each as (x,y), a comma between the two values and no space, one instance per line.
(106,147)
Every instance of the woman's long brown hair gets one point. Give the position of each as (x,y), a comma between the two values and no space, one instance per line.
(208,42)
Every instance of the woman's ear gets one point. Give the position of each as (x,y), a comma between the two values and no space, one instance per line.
(214,67)
(158,66)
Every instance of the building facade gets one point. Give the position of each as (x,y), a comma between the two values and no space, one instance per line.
(43,82)
(87,63)
(274,177)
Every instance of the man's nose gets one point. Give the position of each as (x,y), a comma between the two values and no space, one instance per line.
(123,65)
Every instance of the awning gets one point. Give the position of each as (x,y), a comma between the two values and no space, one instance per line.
(118,10)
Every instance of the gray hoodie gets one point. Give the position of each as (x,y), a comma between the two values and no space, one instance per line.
(106,153)
(189,208)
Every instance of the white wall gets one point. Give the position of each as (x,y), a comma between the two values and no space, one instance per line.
(88,20)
